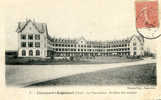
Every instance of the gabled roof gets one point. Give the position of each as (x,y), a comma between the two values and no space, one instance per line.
(40,27)
(82,38)
(140,38)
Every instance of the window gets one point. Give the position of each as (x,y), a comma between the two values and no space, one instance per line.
(23,37)
(37,52)
(134,53)
(134,44)
(37,44)
(30,44)
(134,48)
(23,44)
(30,37)
(23,53)
(37,37)
(30,53)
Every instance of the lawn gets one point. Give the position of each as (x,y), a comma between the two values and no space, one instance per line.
(96,60)
(131,75)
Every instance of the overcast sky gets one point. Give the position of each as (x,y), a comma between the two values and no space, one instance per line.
(93,19)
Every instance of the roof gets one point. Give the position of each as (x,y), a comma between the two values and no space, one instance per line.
(40,27)
(112,42)
(139,37)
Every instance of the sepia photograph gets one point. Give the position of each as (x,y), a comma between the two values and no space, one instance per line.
(64,45)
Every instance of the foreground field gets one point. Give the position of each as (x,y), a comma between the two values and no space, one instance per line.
(130,75)
(25,75)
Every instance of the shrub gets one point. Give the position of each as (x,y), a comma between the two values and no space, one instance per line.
(71,58)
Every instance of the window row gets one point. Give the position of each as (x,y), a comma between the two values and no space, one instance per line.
(98,50)
(61,40)
(30,44)
(124,49)
(30,53)
(64,45)
(30,37)
(88,46)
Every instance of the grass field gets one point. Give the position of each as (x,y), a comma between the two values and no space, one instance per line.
(96,60)
(131,75)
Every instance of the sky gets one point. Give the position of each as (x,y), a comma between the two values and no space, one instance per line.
(93,19)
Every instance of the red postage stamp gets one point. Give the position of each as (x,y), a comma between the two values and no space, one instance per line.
(147,18)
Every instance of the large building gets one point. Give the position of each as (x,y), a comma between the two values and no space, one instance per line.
(34,41)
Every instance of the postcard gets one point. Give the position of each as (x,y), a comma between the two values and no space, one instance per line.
(81,49)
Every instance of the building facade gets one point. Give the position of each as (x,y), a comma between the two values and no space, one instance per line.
(34,41)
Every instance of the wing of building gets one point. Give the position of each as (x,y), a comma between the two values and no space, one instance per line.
(34,41)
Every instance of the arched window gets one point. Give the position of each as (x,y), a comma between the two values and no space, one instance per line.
(23,53)
(37,52)
(30,53)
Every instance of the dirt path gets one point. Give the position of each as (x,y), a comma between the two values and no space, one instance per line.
(22,75)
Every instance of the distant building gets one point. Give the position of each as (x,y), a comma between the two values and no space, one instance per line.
(34,41)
